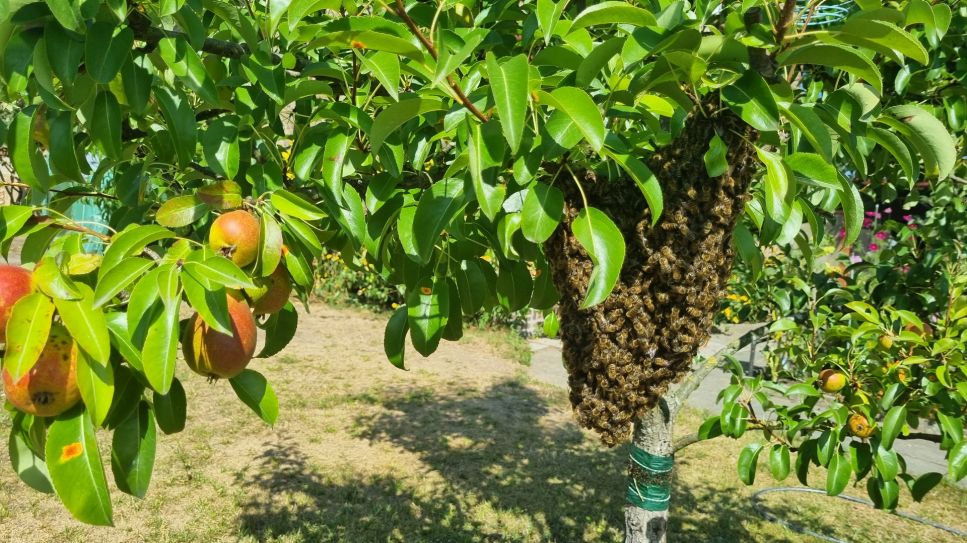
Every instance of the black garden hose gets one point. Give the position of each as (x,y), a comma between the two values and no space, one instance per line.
(764,513)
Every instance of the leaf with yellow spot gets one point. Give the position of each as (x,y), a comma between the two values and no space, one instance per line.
(77,474)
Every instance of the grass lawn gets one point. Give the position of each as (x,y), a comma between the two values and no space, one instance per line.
(464,447)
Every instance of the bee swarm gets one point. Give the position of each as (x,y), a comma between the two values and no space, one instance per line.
(622,354)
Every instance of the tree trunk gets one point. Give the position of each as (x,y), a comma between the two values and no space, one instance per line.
(653,435)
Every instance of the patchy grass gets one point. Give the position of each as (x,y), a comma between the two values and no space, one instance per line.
(464,447)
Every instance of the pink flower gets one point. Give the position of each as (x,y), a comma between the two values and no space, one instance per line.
(888,210)
(867,223)
(870,213)
(912,226)
(905,268)
(842,233)
(874,247)
(881,235)
(855,259)
(908,218)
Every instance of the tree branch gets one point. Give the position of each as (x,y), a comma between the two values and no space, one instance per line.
(454,85)
(676,398)
(785,19)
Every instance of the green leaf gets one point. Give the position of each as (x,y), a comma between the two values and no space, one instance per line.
(600,237)
(133,451)
(75,468)
(280,328)
(779,461)
(68,14)
(29,465)
(136,81)
(107,46)
(892,143)
(581,109)
(63,151)
(883,37)
(385,67)
(160,349)
(509,85)
(597,60)
(852,202)
(548,15)
(924,484)
(715,162)
(277,9)
(603,13)
(117,324)
(748,250)
(220,143)
(129,243)
(24,154)
(220,271)
(514,285)
(119,278)
(542,212)
(256,392)
(929,137)
(838,475)
(27,330)
(96,384)
(886,462)
(957,461)
(483,154)
(776,185)
(296,206)
(471,285)
(835,56)
(180,118)
(748,460)
(751,99)
(396,114)
(646,181)
(394,337)
(809,123)
(171,409)
(181,211)
(87,325)
(185,63)
(106,124)
(427,308)
(270,244)
(893,422)
(437,208)
(52,281)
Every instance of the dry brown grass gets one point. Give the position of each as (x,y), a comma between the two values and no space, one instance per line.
(462,448)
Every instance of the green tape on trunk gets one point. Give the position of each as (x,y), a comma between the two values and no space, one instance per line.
(649,480)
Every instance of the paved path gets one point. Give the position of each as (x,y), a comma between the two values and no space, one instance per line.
(546,366)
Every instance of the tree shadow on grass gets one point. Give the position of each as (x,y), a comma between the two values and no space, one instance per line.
(510,475)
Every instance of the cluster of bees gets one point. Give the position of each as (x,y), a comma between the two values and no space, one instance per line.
(622,354)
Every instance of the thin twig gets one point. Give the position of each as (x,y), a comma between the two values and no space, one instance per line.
(430,48)
(74,227)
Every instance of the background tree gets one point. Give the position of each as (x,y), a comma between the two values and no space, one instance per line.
(604,157)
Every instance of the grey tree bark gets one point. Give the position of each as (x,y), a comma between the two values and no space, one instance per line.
(653,433)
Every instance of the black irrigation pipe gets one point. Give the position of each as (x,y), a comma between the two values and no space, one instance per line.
(764,513)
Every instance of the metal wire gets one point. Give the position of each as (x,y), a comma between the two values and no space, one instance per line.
(764,513)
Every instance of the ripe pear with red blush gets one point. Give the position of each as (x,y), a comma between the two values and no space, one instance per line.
(217,355)
(15,283)
(50,387)
(235,235)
